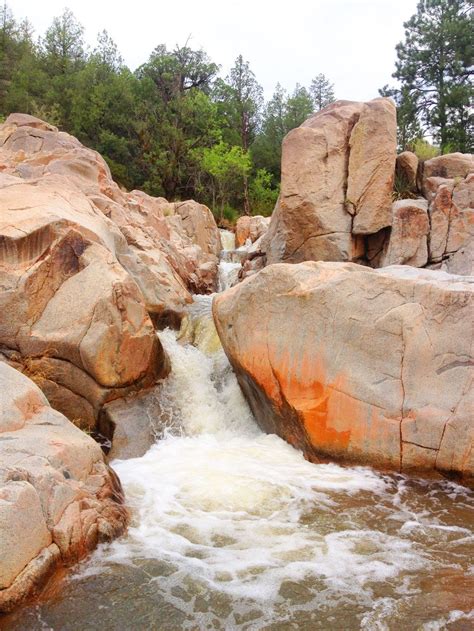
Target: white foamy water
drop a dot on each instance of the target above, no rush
(225, 501)
(227, 239)
(228, 274)
(241, 514)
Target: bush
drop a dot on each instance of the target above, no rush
(424, 150)
(230, 214)
(402, 189)
(262, 196)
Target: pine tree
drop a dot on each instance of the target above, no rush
(322, 91)
(8, 51)
(434, 67)
(64, 43)
(299, 107)
(107, 52)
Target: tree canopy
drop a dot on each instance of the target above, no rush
(434, 68)
(173, 127)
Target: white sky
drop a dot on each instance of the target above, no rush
(351, 41)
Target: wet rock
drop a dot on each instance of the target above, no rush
(58, 499)
(132, 424)
(369, 366)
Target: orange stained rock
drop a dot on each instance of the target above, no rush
(302, 383)
(335, 422)
(320, 405)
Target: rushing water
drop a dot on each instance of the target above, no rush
(233, 529)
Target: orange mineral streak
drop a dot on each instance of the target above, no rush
(335, 422)
(320, 404)
(301, 381)
(256, 362)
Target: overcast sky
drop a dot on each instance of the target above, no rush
(351, 41)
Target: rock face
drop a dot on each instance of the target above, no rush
(408, 241)
(86, 270)
(58, 499)
(132, 424)
(449, 166)
(407, 169)
(363, 365)
(337, 178)
(250, 228)
(338, 171)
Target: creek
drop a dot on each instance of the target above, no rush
(232, 529)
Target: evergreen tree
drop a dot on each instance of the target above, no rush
(266, 149)
(175, 117)
(107, 52)
(240, 100)
(8, 50)
(299, 107)
(63, 43)
(322, 91)
(434, 67)
(408, 126)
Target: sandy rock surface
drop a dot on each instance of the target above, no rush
(363, 365)
(58, 499)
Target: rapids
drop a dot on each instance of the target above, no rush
(232, 529)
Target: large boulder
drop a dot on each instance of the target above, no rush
(336, 183)
(408, 241)
(448, 184)
(200, 226)
(88, 270)
(66, 296)
(58, 499)
(407, 169)
(165, 257)
(337, 175)
(362, 365)
(448, 166)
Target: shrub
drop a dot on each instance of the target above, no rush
(424, 150)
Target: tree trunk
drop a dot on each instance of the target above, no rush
(246, 196)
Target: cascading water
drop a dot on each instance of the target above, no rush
(233, 529)
(230, 261)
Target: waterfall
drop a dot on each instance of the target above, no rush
(227, 240)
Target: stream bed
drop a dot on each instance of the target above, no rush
(232, 529)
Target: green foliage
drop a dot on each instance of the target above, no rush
(229, 216)
(423, 149)
(225, 169)
(434, 68)
(322, 91)
(262, 196)
(176, 116)
(299, 107)
(172, 127)
(402, 188)
(239, 99)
